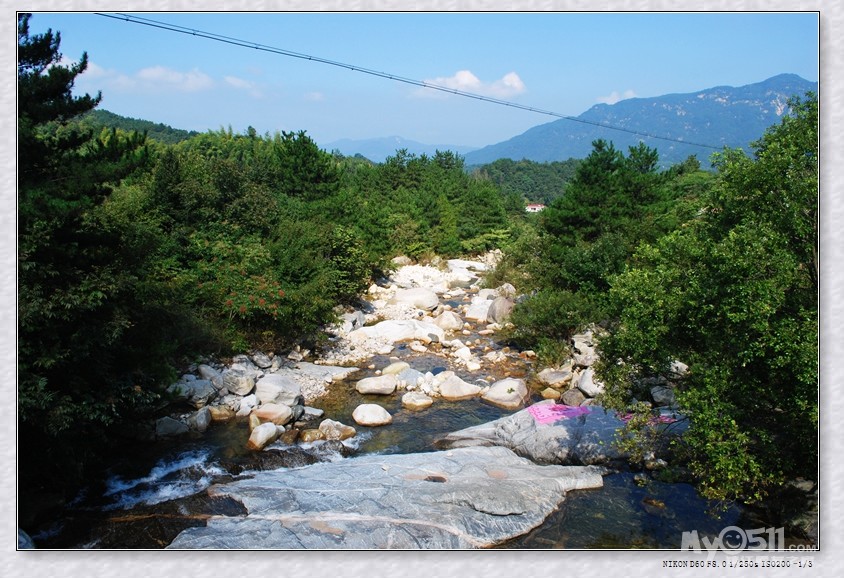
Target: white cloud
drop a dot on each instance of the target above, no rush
(242, 84)
(157, 77)
(615, 96)
(315, 96)
(463, 80)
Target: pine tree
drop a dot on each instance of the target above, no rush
(75, 284)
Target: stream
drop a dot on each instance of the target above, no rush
(152, 491)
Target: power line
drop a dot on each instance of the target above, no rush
(395, 77)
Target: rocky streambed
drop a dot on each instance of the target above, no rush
(414, 428)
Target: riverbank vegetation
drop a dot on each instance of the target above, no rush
(135, 255)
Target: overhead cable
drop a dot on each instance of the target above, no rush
(395, 77)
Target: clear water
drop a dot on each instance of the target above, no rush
(622, 514)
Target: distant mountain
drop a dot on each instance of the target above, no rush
(155, 131)
(720, 116)
(378, 149)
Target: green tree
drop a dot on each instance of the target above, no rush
(733, 294)
(76, 277)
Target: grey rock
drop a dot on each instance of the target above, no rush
(378, 385)
(572, 397)
(371, 414)
(166, 427)
(211, 374)
(239, 381)
(506, 290)
(313, 412)
(264, 434)
(588, 385)
(555, 377)
(197, 392)
(663, 396)
(453, 388)
(478, 310)
(586, 439)
(416, 400)
(278, 388)
(509, 393)
(200, 420)
(449, 321)
(466, 498)
(419, 297)
(500, 309)
(262, 360)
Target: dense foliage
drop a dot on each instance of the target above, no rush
(587, 236)
(135, 256)
(734, 293)
(719, 271)
(534, 182)
(155, 131)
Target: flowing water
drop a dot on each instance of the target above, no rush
(154, 491)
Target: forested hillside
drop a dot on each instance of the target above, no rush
(98, 119)
(535, 182)
(136, 255)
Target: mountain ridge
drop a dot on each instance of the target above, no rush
(719, 116)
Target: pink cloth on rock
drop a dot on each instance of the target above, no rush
(546, 413)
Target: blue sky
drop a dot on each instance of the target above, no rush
(563, 62)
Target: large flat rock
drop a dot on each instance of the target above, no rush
(585, 439)
(463, 498)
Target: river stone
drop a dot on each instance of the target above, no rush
(396, 330)
(289, 436)
(419, 297)
(410, 377)
(197, 392)
(550, 393)
(663, 395)
(509, 393)
(500, 309)
(464, 264)
(247, 404)
(262, 360)
(211, 374)
(311, 435)
(416, 400)
(464, 498)
(276, 388)
(452, 388)
(588, 385)
(238, 382)
(506, 290)
(313, 412)
(168, 427)
(264, 434)
(555, 377)
(371, 414)
(395, 368)
(586, 439)
(276, 413)
(334, 430)
(572, 397)
(478, 310)
(378, 385)
(449, 321)
(220, 412)
(200, 420)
